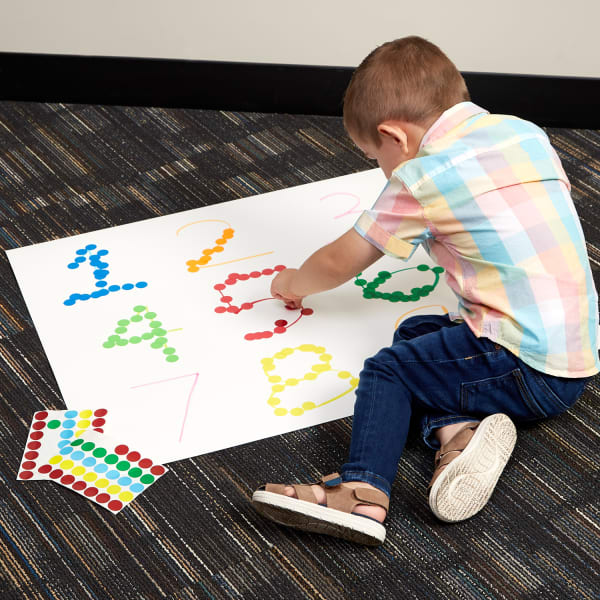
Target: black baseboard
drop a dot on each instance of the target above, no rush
(260, 87)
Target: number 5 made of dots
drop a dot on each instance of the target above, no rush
(155, 330)
(100, 272)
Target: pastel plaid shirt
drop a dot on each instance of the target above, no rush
(488, 199)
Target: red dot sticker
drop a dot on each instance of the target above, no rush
(56, 474)
(67, 479)
(219, 287)
(28, 464)
(307, 311)
(98, 422)
(99, 429)
(25, 475)
(101, 412)
(36, 435)
(79, 485)
(145, 463)
(102, 498)
(134, 456)
(115, 505)
(34, 445)
(45, 469)
(157, 470)
(40, 416)
(39, 425)
(220, 309)
(121, 449)
(279, 330)
(281, 323)
(31, 455)
(91, 491)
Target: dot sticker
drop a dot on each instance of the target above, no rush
(278, 385)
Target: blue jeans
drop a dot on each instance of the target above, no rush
(439, 370)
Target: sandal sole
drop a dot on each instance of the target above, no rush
(315, 518)
(466, 484)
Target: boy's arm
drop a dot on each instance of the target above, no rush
(327, 268)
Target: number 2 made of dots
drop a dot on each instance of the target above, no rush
(156, 335)
(97, 261)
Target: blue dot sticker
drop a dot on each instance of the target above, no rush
(69, 423)
(124, 481)
(71, 414)
(101, 468)
(66, 450)
(77, 455)
(113, 474)
(89, 462)
(136, 487)
(66, 434)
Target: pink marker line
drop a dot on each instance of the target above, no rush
(351, 210)
(189, 399)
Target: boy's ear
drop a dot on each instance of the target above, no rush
(395, 133)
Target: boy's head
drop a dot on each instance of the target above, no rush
(409, 80)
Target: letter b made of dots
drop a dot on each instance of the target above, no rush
(100, 273)
(156, 335)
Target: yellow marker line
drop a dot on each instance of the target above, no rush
(420, 308)
(234, 260)
(203, 221)
(335, 397)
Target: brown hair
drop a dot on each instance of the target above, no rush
(409, 79)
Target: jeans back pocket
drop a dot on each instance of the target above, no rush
(507, 393)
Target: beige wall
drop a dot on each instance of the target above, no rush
(552, 37)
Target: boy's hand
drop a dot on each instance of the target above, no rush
(281, 288)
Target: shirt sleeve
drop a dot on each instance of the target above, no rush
(396, 223)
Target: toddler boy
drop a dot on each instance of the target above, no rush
(487, 198)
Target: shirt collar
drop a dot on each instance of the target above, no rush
(449, 119)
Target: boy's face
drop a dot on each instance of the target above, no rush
(395, 148)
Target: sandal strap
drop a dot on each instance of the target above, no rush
(448, 452)
(345, 498)
(338, 496)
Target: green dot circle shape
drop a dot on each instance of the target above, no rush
(135, 472)
(99, 452)
(88, 446)
(150, 315)
(123, 465)
(139, 308)
(111, 459)
(172, 358)
(147, 478)
(54, 424)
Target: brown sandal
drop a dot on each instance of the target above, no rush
(336, 518)
(467, 468)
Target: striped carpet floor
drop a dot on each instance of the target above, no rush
(68, 169)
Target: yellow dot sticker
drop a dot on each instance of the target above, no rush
(280, 385)
(85, 414)
(90, 477)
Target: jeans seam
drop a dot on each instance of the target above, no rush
(550, 391)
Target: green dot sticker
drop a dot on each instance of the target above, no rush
(77, 442)
(99, 452)
(88, 446)
(147, 478)
(123, 465)
(135, 472)
(155, 333)
(370, 290)
(53, 424)
(111, 459)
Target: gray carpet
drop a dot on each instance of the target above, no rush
(68, 169)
